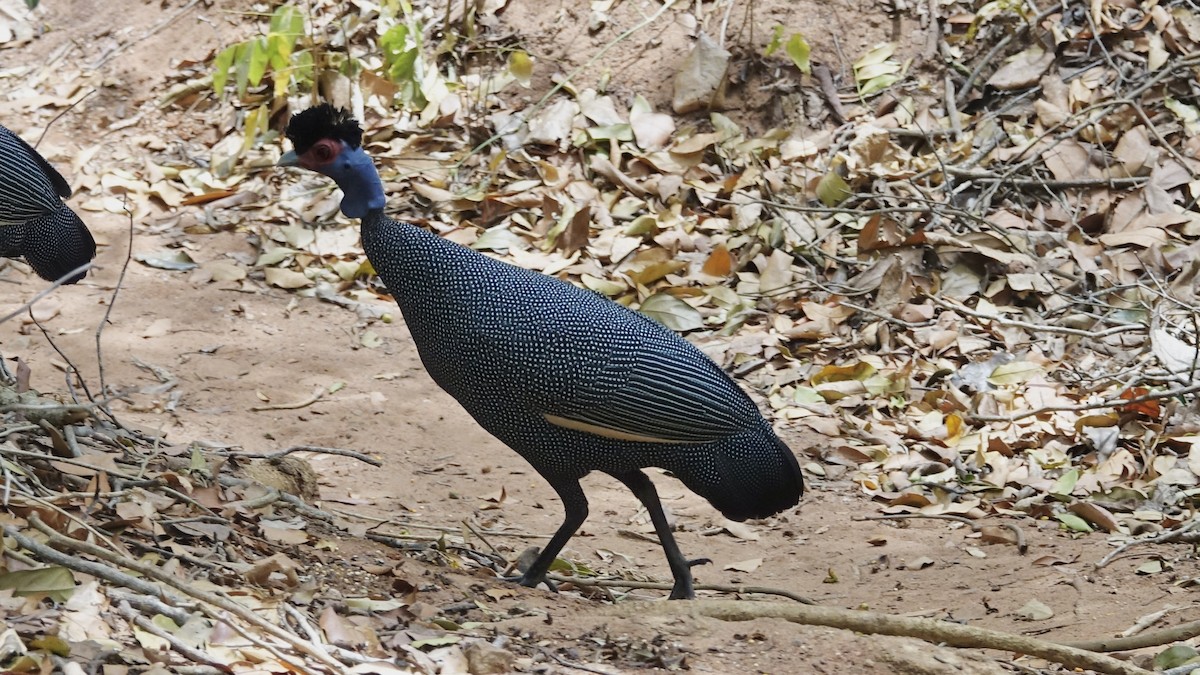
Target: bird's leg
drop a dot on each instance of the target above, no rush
(576, 506)
(681, 568)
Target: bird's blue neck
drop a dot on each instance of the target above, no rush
(355, 174)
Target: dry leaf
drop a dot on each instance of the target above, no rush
(739, 530)
(746, 566)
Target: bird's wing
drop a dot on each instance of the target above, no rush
(673, 397)
(61, 187)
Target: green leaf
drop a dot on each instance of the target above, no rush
(1014, 373)
(833, 189)
(277, 53)
(302, 66)
(643, 224)
(241, 63)
(876, 70)
(619, 132)
(878, 54)
(1151, 567)
(446, 624)
(520, 66)
(776, 41)
(672, 312)
(602, 286)
(1073, 522)
(1065, 485)
(256, 123)
(198, 465)
(398, 55)
(401, 54)
(1189, 115)
(1174, 656)
(797, 48)
(221, 67)
(373, 605)
(807, 395)
(53, 644)
(57, 583)
(287, 24)
(573, 568)
(877, 84)
(260, 56)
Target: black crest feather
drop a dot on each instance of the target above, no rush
(323, 121)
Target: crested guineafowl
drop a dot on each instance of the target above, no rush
(34, 221)
(573, 382)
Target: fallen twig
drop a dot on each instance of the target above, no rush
(1145, 621)
(875, 623)
(1177, 534)
(1022, 546)
(148, 603)
(1083, 407)
(828, 91)
(1180, 633)
(1036, 327)
(303, 403)
(190, 653)
(306, 448)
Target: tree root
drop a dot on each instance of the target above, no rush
(875, 623)
(1184, 631)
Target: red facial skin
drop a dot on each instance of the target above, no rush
(320, 154)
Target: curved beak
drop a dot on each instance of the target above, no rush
(289, 158)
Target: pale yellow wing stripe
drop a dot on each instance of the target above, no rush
(606, 432)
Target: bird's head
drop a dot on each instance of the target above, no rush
(328, 140)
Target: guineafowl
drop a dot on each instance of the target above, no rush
(573, 382)
(34, 221)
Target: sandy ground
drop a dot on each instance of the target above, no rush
(232, 347)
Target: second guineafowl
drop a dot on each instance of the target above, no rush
(573, 382)
(34, 221)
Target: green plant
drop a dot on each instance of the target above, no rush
(402, 63)
(796, 48)
(250, 60)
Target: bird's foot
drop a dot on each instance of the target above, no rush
(682, 590)
(523, 580)
(526, 564)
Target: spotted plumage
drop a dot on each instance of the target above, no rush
(573, 382)
(34, 221)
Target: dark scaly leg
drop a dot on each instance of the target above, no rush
(576, 506)
(681, 568)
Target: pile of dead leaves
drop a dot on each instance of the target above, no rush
(153, 556)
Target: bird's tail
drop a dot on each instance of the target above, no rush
(749, 478)
(57, 243)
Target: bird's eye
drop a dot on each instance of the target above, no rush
(322, 153)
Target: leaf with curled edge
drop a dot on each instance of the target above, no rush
(1096, 515)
